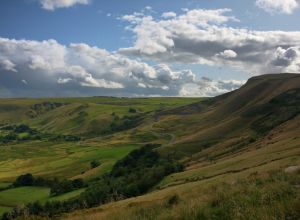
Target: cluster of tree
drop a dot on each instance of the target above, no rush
(31, 134)
(62, 137)
(133, 175)
(15, 130)
(66, 186)
(124, 123)
(57, 187)
(8, 138)
(40, 108)
(19, 128)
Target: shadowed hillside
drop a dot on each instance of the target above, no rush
(237, 118)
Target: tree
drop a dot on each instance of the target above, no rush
(24, 180)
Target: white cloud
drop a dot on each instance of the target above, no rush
(55, 4)
(227, 54)
(288, 59)
(7, 65)
(63, 80)
(169, 14)
(54, 69)
(206, 87)
(277, 6)
(206, 37)
(148, 7)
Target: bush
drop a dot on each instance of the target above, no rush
(132, 110)
(24, 180)
(173, 200)
(94, 164)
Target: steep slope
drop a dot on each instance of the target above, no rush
(235, 119)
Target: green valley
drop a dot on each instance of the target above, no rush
(234, 156)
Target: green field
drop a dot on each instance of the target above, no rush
(59, 160)
(24, 195)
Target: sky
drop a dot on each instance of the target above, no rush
(143, 48)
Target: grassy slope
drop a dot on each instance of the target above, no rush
(80, 115)
(70, 159)
(212, 139)
(276, 152)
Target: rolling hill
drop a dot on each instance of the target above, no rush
(230, 145)
(234, 149)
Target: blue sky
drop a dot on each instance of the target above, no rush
(90, 23)
(101, 24)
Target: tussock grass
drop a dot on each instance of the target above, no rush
(273, 196)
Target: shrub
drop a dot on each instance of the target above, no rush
(94, 164)
(24, 180)
(132, 110)
(173, 200)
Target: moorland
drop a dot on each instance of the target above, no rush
(234, 156)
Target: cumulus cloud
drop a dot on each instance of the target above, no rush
(55, 4)
(277, 6)
(288, 58)
(206, 87)
(7, 65)
(54, 69)
(169, 14)
(227, 54)
(201, 36)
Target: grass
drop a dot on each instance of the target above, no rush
(56, 159)
(66, 196)
(23, 195)
(279, 153)
(4, 209)
(268, 195)
(81, 115)
(4, 185)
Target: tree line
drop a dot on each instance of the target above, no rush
(56, 186)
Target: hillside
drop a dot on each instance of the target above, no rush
(226, 144)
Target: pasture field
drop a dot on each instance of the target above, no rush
(57, 159)
(23, 195)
